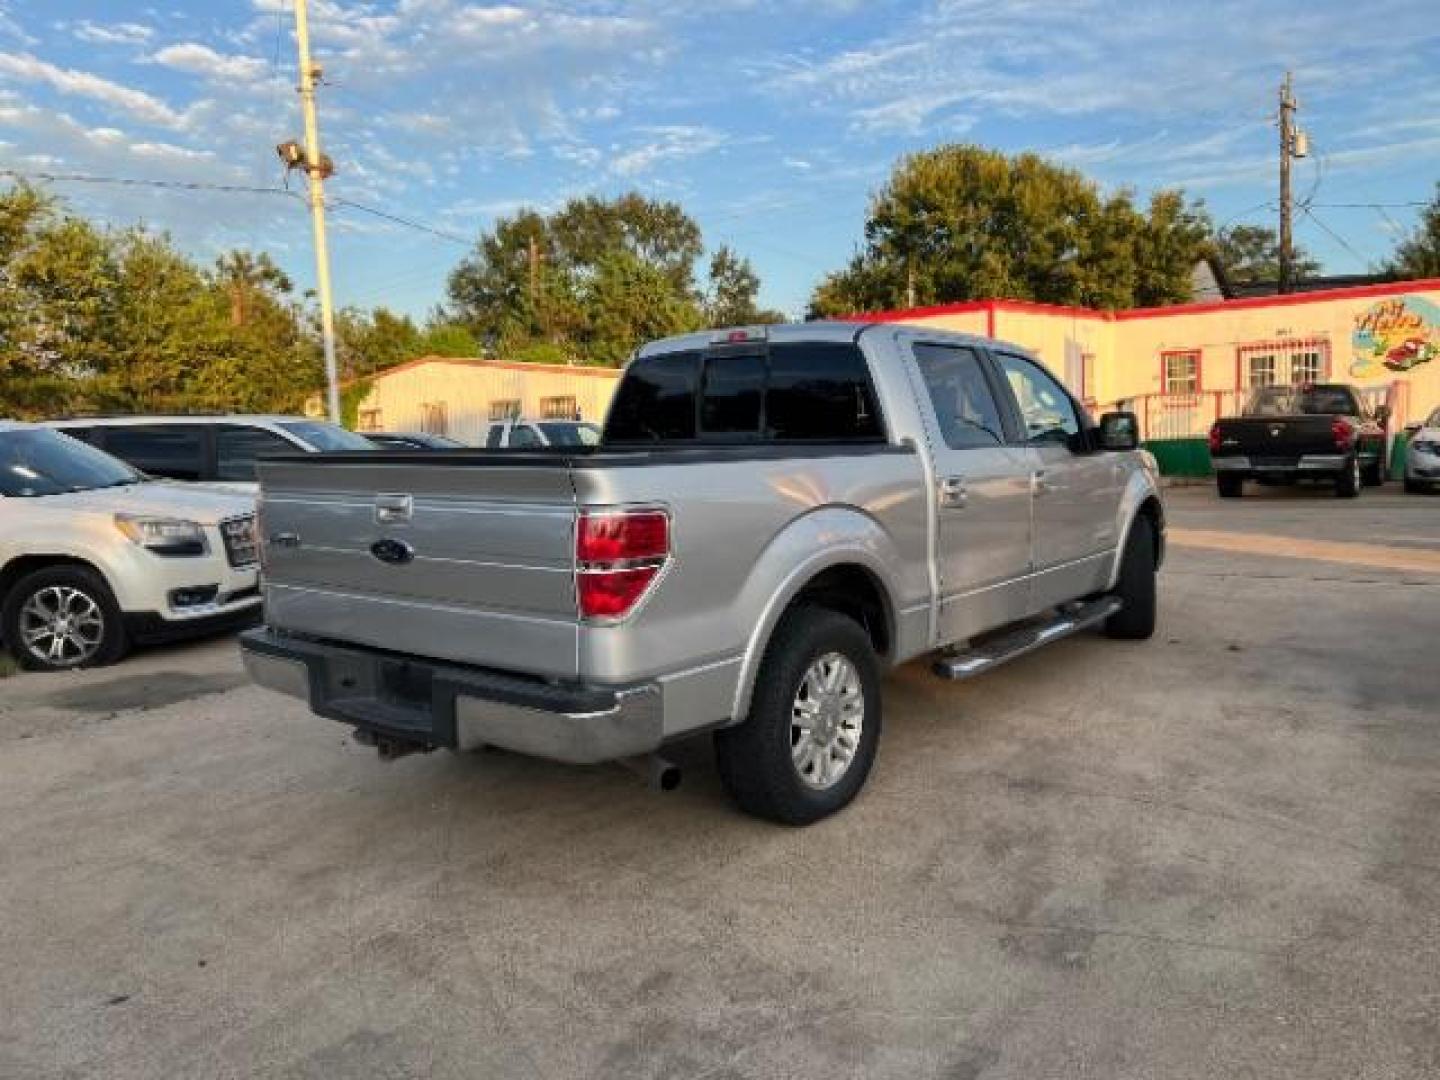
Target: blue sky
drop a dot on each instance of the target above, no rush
(771, 122)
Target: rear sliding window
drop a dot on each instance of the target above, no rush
(801, 392)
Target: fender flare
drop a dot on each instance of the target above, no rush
(1139, 492)
(849, 550)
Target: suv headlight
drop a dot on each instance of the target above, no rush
(163, 536)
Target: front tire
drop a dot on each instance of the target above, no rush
(1348, 483)
(1414, 487)
(62, 618)
(1136, 587)
(809, 741)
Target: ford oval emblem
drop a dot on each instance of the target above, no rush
(392, 551)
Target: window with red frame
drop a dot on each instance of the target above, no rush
(1282, 363)
(1180, 372)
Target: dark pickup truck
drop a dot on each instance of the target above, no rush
(1289, 433)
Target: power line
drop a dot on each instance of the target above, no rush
(1308, 212)
(136, 181)
(409, 223)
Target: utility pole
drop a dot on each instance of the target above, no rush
(1287, 151)
(309, 73)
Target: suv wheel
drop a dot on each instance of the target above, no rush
(1229, 485)
(809, 741)
(1375, 474)
(61, 618)
(1348, 483)
(1136, 587)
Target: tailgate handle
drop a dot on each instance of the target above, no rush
(393, 509)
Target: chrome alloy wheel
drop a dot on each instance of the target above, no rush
(826, 720)
(61, 626)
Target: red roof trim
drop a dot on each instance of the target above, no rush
(968, 307)
(1320, 296)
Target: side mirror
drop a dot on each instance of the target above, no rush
(1119, 431)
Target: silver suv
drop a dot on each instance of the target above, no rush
(95, 556)
(215, 449)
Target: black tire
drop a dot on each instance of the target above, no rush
(755, 757)
(1348, 483)
(1229, 485)
(112, 641)
(1375, 475)
(1136, 587)
(1414, 487)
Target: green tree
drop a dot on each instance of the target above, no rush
(626, 301)
(370, 341)
(1418, 255)
(243, 274)
(734, 287)
(532, 287)
(962, 222)
(1250, 255)
(445, 338)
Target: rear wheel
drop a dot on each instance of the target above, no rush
(1375, 474)
(1229, 485)
(1348, 483)
(1136, 587)
(61, 618)
(807, 745)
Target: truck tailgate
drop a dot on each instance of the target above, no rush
(455, 556)
(1283, 437)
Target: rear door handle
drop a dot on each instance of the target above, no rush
(952, 491)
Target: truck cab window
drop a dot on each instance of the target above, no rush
(965, 407)
(1045, 409)
(656, 400)
(734, 386)
(820, 391)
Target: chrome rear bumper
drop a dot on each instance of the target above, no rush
(434, 705)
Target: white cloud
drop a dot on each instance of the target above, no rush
(137, 103)
(124, 33)
(197, 59)
(669, 142)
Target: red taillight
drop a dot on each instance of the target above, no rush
(617, 555)
(1342, 433)
(613, 536)
(1215, 437)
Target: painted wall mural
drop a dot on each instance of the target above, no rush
(1395, 335)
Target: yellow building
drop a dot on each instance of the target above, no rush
(460, 397)
(1183, 366)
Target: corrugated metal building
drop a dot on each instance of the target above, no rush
(460, 397)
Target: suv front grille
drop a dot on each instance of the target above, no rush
(242, 542)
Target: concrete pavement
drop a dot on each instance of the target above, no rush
(1216, 854)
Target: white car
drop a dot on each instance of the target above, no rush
(534, 434)
(1422, 456)
(95, 555)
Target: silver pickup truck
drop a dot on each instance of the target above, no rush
(773, 517)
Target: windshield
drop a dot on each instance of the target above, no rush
(571, 434)
(322, 436)
(38, 461)
(1301, 401)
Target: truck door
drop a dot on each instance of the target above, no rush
(1076, 490)
(982, 494)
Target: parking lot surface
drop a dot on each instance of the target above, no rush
(1215, 854)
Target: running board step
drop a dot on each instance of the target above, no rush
(980, 658)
